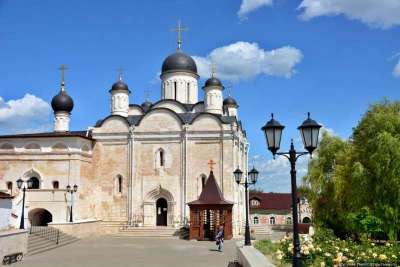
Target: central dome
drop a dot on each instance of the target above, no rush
(179, 61)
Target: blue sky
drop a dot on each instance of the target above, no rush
(330, 57)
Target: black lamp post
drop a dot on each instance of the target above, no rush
(309, 131)
(253, 175)
(72, 191)
(20, 182)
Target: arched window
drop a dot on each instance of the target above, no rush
(119, 181)
(255, 220)
(203, 180)
(288, 220)
(272, 220)
(9, 186)
(56, 185)
(306, 220)
(35, 184)
(162, 159)
(254, 202)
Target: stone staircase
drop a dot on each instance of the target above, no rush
(160, 231)
(46, 238)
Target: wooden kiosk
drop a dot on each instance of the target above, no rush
(209, 212)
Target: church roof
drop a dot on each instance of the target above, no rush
(83, 134)
(179, 61)
(211, 194)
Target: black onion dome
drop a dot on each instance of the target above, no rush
(230, 101)
(62, 102)
(179, 61)
(213, 82)
(146, 105)
(119, 85)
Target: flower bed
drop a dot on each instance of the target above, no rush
(326, 250)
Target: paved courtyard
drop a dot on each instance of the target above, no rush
(139, 252)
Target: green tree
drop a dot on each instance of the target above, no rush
(347, 178)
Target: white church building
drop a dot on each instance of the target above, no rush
(140, 165)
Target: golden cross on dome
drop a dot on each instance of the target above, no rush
(62, 68)
(179, 28)
(211, 163)
(120, 72)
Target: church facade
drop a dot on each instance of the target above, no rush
(141, 165)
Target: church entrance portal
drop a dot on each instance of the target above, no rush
(162, 212)
(40, 217)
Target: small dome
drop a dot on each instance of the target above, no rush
(119, 85)
(213, 82)
(230, 101)
(146, 105)
(62, 102)
(179, 61)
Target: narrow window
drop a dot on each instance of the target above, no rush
(162, 160)
(203, 181)
(272, 220)
(188, 93)
(119, 184)
(175, 90)
(288, 220)
(56, 185)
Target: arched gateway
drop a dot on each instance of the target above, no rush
(40, 217)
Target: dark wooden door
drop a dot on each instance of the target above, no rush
(162, 212)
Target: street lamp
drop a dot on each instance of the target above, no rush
(72, 191)
(309, 131)
(20, 182)
(253, 175)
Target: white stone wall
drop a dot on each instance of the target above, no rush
(213, 99)
(180, 86)
(120, 102)
(61, 121)
(5, 213)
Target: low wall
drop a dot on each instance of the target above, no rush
(248, 256)
(80, 229)
(13, 241)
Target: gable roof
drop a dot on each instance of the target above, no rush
(272, 201)
(211, 194)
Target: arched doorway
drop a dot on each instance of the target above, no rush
(40, 217)
(306, 220)
(162, 212)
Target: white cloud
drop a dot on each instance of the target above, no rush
(244, 60)
(27, 114)
(376, 13)
(248, 6)
(275, 174)
(396, 70)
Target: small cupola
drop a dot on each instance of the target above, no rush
(213, 96)
(62, 105)
(120, 97)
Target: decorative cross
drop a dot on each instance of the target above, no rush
(62, 68)
(211, 163)
(213, 69)
(146, 94)
(229, 87)
(120, 72)
(179, 28)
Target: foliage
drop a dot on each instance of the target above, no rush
(354, 185)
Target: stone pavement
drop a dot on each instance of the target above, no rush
(139, 252)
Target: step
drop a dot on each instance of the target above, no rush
(47, 248)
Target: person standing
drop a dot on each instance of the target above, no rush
(220, 238)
